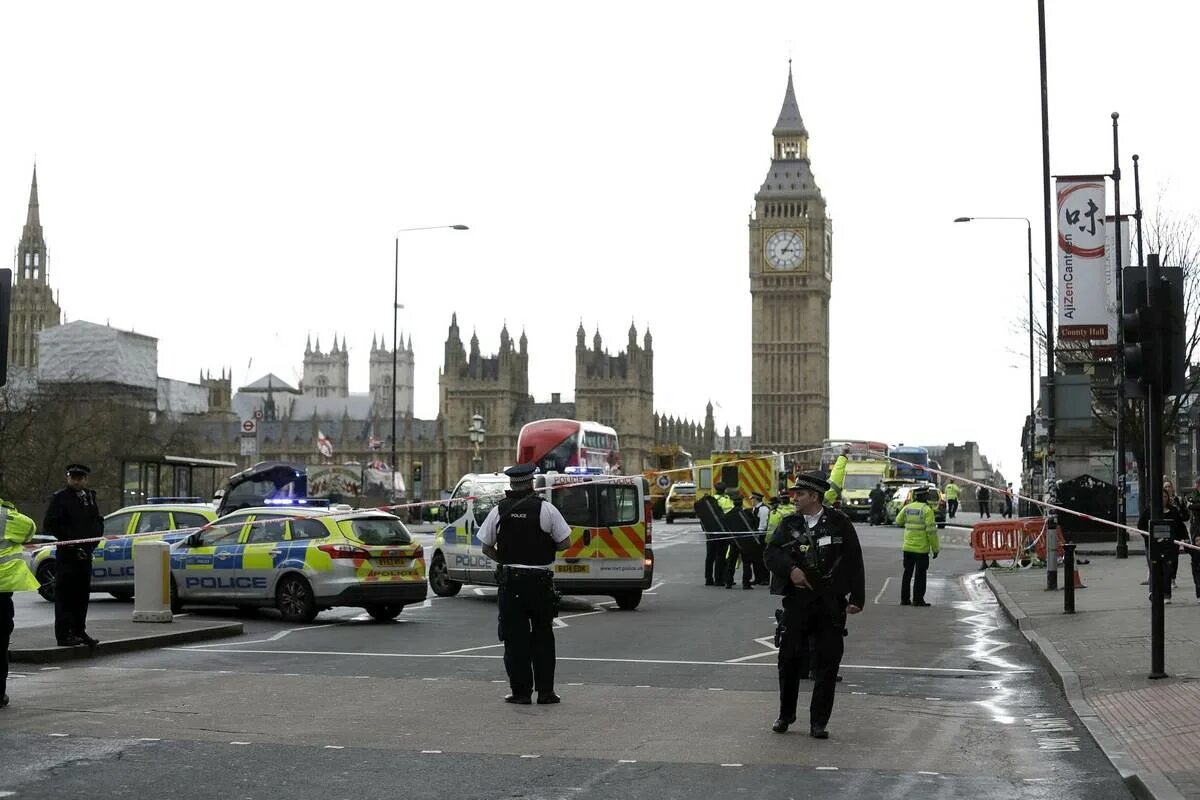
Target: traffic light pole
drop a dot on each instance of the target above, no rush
(1119, 357)
(1049, 475)
(1155, 544)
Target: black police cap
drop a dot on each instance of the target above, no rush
(521, 472)
(78, 469)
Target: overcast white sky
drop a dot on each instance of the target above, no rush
(228, 176)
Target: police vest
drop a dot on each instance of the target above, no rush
(816, 551)
(519, 534)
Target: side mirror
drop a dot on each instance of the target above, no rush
(195, 539)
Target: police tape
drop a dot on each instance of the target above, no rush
(108, 537)
(1039, 503)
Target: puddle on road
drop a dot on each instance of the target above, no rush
(984, 619)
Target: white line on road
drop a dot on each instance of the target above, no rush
(60, 734)
(335, 747)
(471, 649)
(431, 752)
(149, 739)
(830, 769)
(239, 743)
(765, 641)
(274, 638)
(731, 765)
(583, 659)
(626, 760)
(530, 755)
(882, 589)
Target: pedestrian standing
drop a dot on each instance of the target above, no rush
(16, 530)
(522, 534)
(73, 514)
(816, 565)
(715, 543)
(735, 523)
(1193, 508)
(762, 519)
(1006, 509)
(920, 542)
(952, 492)
(984, 495)
(878, 498)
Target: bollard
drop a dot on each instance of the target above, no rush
(1051, 554)
(151, 581)
(1069, 578)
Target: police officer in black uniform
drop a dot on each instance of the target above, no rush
(816, 565)
(522, 534)
(73, 514)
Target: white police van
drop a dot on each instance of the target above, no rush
(610, 551)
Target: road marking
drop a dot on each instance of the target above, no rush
(60, 734)
(626, 760)
(765, 641)
(334, 747)
(4, 793)
(583, 659)
(882, 589)
(574, 684)
(429, 679)
(274, 638)
(926, 772)
(431, 752)
(50, 669)
(731, 765)
(933, 698)
(652, 588)
(642, 686)
(239, 743)
(829, 769)
(530, 755)
(471, 649)
(149, 739)
(715, 689)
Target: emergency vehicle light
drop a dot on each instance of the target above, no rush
(312, 502)
(583, 471)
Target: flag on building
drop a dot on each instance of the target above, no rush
(324, 446)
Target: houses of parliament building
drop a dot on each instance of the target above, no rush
(790, 272)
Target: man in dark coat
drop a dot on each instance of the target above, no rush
(816, 565)
(73, 514)
(878, 499)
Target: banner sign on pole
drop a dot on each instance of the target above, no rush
(1083, 308)
(1111, 273)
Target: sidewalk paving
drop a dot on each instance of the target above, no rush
(35, 644)
(1100, 656)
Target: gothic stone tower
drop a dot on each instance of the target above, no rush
(326, 374)
(618, 391)
(495, 387)
(380, 380)
(33, 306)
(791, 270)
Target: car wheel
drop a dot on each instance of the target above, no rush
(439, 578)
(294, 599)
(670, 518)
(45, 576)
(176, 605)
(383, 612)
(628, 601)
(124, 595)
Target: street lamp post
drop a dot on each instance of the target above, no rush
(1032, 373)
(476, 433)
(395, 323)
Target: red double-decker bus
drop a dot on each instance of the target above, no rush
(556, 444)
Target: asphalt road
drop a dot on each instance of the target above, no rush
(675, 699)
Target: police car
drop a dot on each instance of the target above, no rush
(112, 561)
(610, 551)
(301, 557)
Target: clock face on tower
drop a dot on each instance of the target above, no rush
(785, 249)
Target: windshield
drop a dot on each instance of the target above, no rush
(378, 530)
(860, 482)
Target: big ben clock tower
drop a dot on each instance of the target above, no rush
(791, 271)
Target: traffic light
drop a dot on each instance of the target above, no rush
(1154, 334)
(5, 304)
(1143, 348)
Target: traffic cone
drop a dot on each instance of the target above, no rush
(1079, 580)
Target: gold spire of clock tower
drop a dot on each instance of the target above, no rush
(791, 241)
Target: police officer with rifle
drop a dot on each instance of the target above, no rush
(816, 564)
(522, 534)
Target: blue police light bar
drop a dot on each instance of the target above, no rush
(159, 500)
(310, 502)
(583, 471)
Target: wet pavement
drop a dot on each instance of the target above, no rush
(1101, 655)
